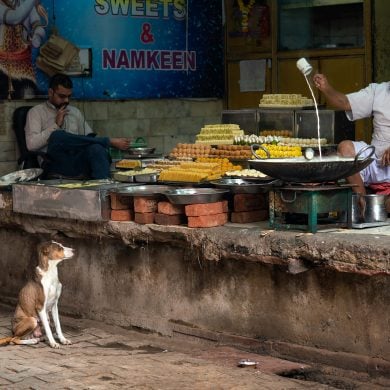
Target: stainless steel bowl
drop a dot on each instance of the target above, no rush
(195, 195)
(141, 151)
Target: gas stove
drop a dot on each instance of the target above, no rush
(310, 206)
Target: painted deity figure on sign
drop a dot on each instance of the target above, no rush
(22, 28)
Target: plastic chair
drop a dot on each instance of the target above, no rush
(27, 158)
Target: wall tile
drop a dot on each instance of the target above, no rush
(8, 167)
(205, 108)
(122, 128)
(95, 110)
(123, 110)
(7, 151)
(163, 109)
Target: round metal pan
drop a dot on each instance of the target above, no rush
(300, 170)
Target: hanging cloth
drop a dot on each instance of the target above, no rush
(56, 54)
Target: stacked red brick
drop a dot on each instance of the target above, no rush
(170, 214)
(207, 214)
(122, 208)
(145, 209)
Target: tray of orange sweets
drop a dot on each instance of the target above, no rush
(200, 171)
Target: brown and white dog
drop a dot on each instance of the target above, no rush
(38, 298)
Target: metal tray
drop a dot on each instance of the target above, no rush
(240, 186)
(252, 178)
(123, 178)
(365, 225)
(140, 190)
(187, 183)
(141, 156)
(195, 195)
(146, 178)
(141, 178)
(69, 184)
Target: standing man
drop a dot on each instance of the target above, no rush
(373, 100)
(60, 130)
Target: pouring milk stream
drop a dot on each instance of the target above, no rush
(306, 69)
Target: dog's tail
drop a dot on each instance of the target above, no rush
(6, 340)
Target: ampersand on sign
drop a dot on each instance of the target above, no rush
(146, 35)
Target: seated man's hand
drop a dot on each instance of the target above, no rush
(120, 143)
(61, 113)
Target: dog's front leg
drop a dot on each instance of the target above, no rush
(46, 326)
(56, 319)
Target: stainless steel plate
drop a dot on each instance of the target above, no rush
(140, 190)
(241, 186)
(195, 195)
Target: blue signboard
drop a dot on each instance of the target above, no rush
(141, 48)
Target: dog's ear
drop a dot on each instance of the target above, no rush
(43, 255)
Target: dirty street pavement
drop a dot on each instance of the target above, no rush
(110, 357)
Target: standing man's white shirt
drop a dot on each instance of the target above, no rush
(373, 100)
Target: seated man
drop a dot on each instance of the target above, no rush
(61, 130)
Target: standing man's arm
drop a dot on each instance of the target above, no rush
(333, 97)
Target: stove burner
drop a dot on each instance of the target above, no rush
(313, 186)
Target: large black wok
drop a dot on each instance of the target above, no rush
(301, 170)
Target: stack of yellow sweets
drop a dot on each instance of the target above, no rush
(280, 151)
(128, 164)
(285, 99)
(192, 172)
(218, 134)
(223, 163)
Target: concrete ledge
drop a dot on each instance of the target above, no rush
(295, 252)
